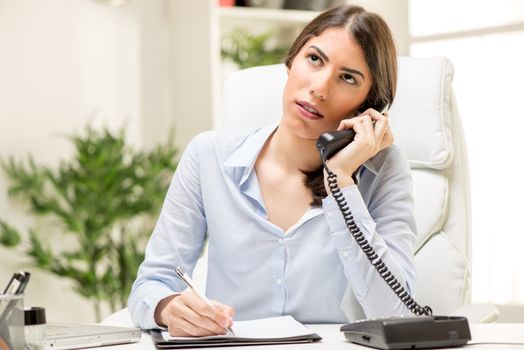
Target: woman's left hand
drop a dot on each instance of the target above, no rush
(369, 140)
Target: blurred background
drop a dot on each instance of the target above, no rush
(147, 74)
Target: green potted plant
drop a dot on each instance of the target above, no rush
(249, 50)
(106, 198)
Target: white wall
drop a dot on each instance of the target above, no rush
(193, 78)
(157, 108)
(64, 63)
(395, 13)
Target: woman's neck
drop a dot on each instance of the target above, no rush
(292, 152)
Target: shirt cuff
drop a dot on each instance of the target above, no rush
(151, 301)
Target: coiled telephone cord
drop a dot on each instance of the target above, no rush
(372, 256)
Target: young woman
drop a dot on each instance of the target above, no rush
(277, 241)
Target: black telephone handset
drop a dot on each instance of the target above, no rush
(330, 143)
(421, 331)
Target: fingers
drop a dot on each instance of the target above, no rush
(189, 322)
(371, 128)
(382, 131)
(226, 310)
(372, 134)
(189, 315)
(364, 132)
(363, 127)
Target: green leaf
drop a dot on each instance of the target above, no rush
(9, 236)
(42, 257)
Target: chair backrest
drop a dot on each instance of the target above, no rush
(426, 125)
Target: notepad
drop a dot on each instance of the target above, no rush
(274, 330)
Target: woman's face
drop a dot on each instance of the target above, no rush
(327, 82)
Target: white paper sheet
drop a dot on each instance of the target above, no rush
(265, 328)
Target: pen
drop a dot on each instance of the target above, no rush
(180, 272)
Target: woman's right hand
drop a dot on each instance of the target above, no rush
(186, 314)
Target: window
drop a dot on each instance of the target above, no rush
(485, 41)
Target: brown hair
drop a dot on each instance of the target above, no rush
(372, 34)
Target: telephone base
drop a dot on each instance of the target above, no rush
(420, 332)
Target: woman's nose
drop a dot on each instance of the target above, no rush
(316, 95)
(319, 87)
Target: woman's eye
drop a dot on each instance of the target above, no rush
(314, 59)
(349, 78)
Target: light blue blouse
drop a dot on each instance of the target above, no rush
(315, 271)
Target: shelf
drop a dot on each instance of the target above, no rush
(266, 14)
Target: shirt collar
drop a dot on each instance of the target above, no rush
(368, 164)
(246, 155)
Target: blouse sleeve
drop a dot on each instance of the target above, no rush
(177, 240)
(388, 224)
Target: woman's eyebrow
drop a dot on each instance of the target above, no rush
(320, 52)
(345, 69)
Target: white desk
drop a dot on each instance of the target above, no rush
(333, 339)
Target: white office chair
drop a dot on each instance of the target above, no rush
(426, 125)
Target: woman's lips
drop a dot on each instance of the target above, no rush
(307, 110)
